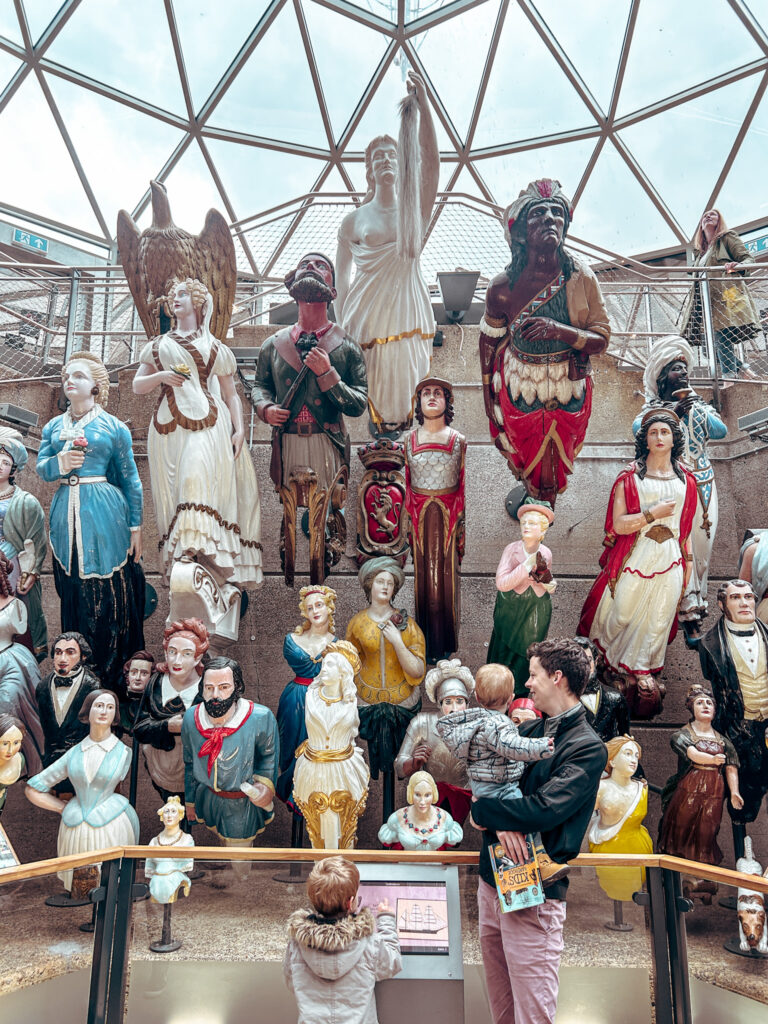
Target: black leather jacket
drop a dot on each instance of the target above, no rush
(558, 795)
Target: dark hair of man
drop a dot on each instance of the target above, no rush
(566, 656)
(678, 443)
(518, 245)
(86, 654)
(448, 409)
(661, 380)
(722, 590)
(85, 710)
(220, 662)
(588, 645)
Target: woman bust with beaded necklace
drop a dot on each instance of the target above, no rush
(95, 519)
(422, 825)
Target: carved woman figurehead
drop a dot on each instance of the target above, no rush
(85, 380)
(317, 605)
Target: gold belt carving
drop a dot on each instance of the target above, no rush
(324, 756)
(660, 533)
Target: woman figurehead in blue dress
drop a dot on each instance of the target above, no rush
(95, 519)
(303, 649)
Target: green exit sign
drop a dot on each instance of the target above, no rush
(29, 241)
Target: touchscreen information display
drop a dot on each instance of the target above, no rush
(421, 912)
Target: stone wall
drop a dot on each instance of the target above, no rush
(575, 539)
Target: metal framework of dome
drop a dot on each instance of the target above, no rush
(647, 111)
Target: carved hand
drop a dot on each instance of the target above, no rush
(276, 415)
(421, 754)
(238, 437)
(415, 86)
(136, 546)
(318, 362)
(71, 460)
(540, 328)
(191, 816)
(541, 572)
(170, 377)
(663, 509)
(174, 724)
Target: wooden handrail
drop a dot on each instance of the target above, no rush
(37, 869)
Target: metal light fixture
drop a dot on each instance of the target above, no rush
(457, 288)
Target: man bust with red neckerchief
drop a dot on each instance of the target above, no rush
(231, 752)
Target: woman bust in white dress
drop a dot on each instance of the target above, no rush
(96, 817)
(631, 610)
(330, 781)
(203, 483)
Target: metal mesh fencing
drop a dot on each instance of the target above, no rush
(45, 313)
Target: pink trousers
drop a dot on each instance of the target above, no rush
(521, 958)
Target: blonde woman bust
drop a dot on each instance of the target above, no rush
(303, 649)
(617, 823)
(422, 825)
(330, 785)
(168, 876)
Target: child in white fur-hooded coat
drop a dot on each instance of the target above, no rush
(335, 953)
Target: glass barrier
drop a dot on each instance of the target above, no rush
(215, 955)
(49, 942)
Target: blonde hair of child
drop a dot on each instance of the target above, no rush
(494, 685)
(332, 883)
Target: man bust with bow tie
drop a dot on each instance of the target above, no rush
(734, 658)
(307, 378)
(60, 697)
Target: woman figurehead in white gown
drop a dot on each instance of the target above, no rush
(330, 782)
(386, 309)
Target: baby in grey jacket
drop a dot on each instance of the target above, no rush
(493, 749)
(337, 953)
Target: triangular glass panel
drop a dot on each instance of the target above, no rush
(273, 96)
(507, 175)
(675, 47)
(465, 237)
(103, 133)
(334, 182)
(447, 170)
(8, 67)
(49, 187)
(615, 212)
(192, 191)
(418, 8)
(742, 197)
(528, 94)
(356, 170)
(39, 15)
(466, 182)
(9, 23)
(381, 116)
(462, 42)
(663, 144)
(127, 46)
(347, 54)
(211, 35)
(592, 36)
(256, 179)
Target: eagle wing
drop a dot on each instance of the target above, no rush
(129, 250)
(217, 268)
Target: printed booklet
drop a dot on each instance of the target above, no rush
(518, 885)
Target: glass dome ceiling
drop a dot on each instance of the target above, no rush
(647, 111)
